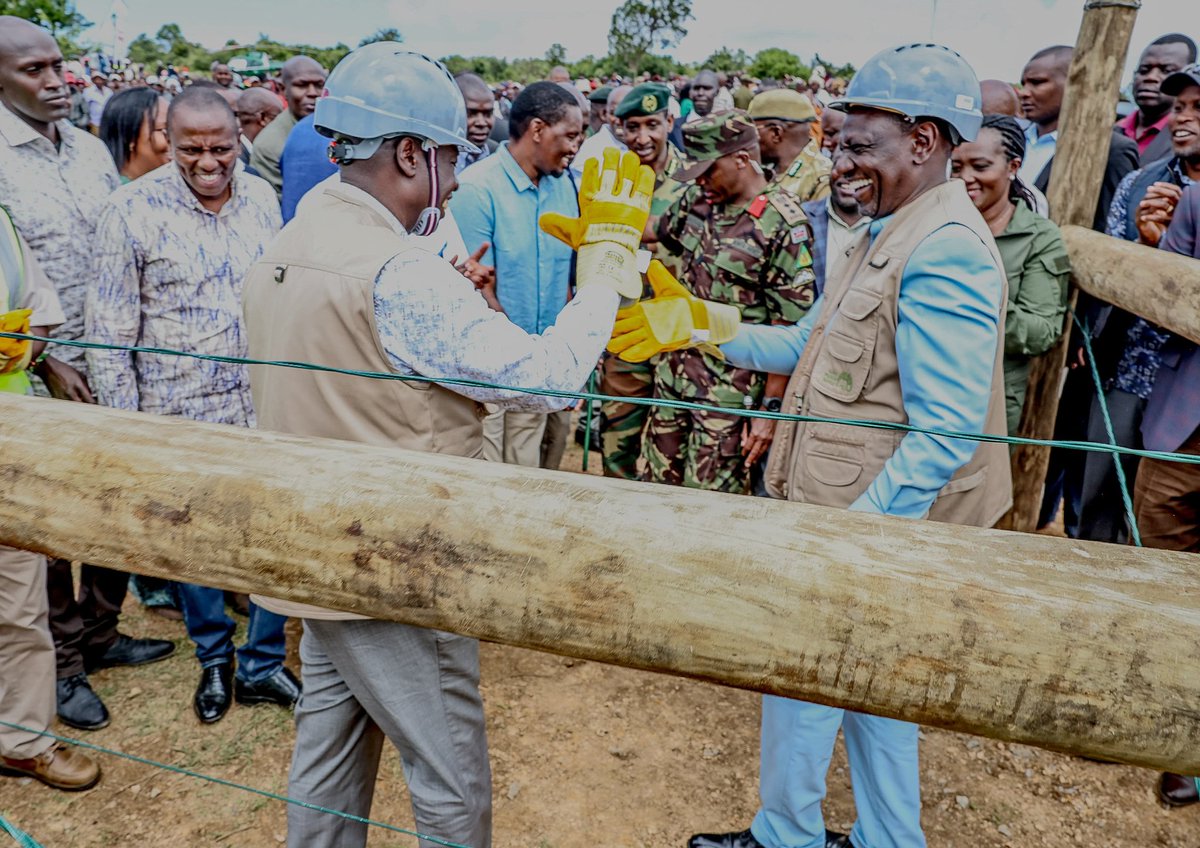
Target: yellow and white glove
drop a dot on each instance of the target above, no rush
(671, 320)
(614, 203)
(14, 353)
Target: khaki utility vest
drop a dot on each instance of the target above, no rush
(849, 370)
(310, 298)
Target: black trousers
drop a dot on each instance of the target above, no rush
(86, 624)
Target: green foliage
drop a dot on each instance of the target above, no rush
(556, 55)
(844, 71)
(727, 60)
(776, 63)
(528, 70)
(60, 17)
(641, 26)
(387, 34)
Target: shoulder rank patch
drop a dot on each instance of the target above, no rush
(788, 206)
(759, 206)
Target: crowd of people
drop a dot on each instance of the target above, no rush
(877, 248)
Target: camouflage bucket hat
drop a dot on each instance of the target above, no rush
(713, 136)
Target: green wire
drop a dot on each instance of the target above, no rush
(665, 403)
(230, 784)
(23, 839)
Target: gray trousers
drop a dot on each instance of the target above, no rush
(364, 680)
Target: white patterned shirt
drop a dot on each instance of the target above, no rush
(432, 322)
(54, 197)
(169, 275)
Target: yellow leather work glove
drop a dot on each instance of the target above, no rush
(14, 353)
(614, 203)
(673, 319)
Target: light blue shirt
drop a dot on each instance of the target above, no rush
(949, 314)
(496, 202)
(1038, 151)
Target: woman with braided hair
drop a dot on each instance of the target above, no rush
(1035, 259)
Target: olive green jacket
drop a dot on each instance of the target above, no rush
(1037, 267)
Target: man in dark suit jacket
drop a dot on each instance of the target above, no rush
(1043, 83)
(1147, 125)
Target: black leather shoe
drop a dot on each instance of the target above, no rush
(280, 688)
(1175, 790)
(129, 651)
(78, 705)
(215, 693)
(745, 839)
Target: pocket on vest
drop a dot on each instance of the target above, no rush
(834, 462)
(844, 363)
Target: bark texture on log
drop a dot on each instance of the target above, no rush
(1084, 648)
(1162, 287)
(1084, 136)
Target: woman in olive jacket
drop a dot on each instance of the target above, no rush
(1035, 258)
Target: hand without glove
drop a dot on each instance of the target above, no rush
(14, 353)
(673, 319)
(614, 203)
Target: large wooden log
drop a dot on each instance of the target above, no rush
(1162, 287)
(1085, 648)
(1084, 135)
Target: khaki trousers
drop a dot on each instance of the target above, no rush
(26, 654)
(514, 438)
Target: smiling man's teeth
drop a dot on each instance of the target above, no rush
(856, 185)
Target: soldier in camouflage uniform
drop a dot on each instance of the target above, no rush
(643, 112)
(784, 120)
(740, 241)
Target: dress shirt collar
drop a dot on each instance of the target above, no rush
(1139, 133)
(16, 132)
(188, 197)
(838, 221)
(516, 173)
(1032, 137)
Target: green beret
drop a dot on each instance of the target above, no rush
(600, 95)
(649, 98)
(782, 104)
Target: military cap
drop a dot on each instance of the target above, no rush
(708, 139)
(781, 104)
(649, 98)
(600, 95)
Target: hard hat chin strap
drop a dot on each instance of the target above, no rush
(431, 215)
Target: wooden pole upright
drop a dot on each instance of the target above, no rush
(1084, 136)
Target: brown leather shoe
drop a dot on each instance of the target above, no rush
(62, 767)
(1177, 791)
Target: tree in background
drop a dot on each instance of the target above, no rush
(777, 63)
(59, 16)
(556, 55)
(388, 34)
(727, 60)
(640, 26)
(844, 71)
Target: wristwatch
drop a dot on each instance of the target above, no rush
(772, 404)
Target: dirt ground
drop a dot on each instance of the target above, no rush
(583, 754)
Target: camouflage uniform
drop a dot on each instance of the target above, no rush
(621, 424)
(808, 175)
(756, 257)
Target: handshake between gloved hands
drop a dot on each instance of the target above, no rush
(614, 204)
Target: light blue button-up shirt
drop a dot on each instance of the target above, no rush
(949, 315)
(496, 202)
(1039, 149)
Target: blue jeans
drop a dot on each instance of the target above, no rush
(797, 743)
(212, 631)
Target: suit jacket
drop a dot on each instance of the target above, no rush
(1122, 158)
(1159, 148)
(1173, 409)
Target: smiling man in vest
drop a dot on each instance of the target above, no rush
(344, 285)
(907, 332)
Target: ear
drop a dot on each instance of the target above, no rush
(925, 140)
(408, 154)
(534, 131)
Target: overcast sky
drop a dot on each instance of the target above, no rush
(996, 36)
